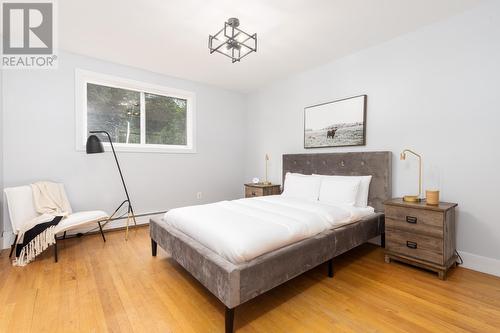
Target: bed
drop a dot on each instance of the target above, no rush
(235, 280)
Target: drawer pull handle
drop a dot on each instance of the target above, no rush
(411, 245)
(253, 194)
(411, 219)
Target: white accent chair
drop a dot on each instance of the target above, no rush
(22, 209)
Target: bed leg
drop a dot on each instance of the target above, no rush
(382, 240)
(154, 247)
(330, 268)
(229, 319)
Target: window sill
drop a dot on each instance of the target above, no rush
(145, 149)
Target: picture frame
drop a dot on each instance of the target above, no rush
(338, 123)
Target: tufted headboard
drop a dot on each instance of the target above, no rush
(377, 164)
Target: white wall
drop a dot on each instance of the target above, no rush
(435, 90)
(2, 220)
(39, 143)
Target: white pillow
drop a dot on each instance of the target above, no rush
(339, 191)
(301, 186)
(364, 188)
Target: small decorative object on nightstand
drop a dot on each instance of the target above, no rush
(432, 197)
(421, 235)
(267, 182)
(259, 190)
(414, 198)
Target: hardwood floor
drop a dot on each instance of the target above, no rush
(118, 287)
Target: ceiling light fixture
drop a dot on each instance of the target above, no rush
(232, 42)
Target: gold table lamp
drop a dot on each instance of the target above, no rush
(266, 182)
(414, 198)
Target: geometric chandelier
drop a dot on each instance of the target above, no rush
(232, 42)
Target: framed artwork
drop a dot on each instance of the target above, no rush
(336, 124)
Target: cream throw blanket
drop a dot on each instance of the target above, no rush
(50, 201)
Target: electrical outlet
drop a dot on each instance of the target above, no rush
(199, 195)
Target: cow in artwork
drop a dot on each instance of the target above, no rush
(331, 133)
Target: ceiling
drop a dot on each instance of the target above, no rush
(171, 36)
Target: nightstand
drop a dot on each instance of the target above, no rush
(421, 235)
(259, 190)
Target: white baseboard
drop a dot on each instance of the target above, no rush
(375, 241)
(8, 238)
(471, 261)
(480, 263)
(121, 223)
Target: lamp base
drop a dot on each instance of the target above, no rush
(411, 198)
(130, 216)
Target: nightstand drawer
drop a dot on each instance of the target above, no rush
(414, 245)
(422, 216)
(414, 225)
(259, 190)
(253, 192)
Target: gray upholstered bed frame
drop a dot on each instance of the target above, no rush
(234, 284)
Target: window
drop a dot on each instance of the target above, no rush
(115, 110)
(138, 116)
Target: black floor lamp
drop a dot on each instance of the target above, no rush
(94, 146)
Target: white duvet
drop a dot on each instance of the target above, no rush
(241, 230)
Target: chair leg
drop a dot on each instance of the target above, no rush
(12, 247)
(100, 229)
(55, 250)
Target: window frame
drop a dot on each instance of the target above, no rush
(83, 77)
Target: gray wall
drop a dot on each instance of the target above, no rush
(39, 143)
(435, 90)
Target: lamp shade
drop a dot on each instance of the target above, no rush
(94, 145)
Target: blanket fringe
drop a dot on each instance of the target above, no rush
(36, 246)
